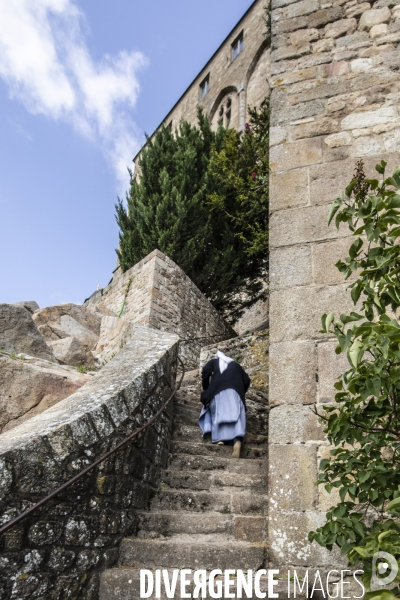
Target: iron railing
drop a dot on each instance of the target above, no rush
(82, 473)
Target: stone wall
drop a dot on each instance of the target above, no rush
(335, 97)
(163, 297)
(243, 81)
(59, 551)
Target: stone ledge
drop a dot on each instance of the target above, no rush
(84, 525)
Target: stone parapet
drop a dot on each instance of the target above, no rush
(60, 550)
(163, 297)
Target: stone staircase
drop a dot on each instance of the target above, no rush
(209, 513)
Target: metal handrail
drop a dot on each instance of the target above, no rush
(66, 485)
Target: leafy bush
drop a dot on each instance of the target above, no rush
(364, 424)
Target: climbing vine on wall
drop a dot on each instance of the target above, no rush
(364, 424)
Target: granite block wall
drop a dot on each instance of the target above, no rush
(163, 297)
(59, 551)
(335, 98)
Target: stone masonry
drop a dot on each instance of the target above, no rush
(234, 83)
(59, 552)
(163, 297)
(335, 97)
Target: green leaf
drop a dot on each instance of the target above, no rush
(393, 505)
(355, 353)
(350, 188)
(380, 167)
(333, 210)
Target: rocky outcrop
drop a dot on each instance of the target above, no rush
(72, 351)
(19, 334)
(30, 305)
(114, 334)
(71, 330)
(28, 386)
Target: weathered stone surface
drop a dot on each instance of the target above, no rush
(292, 475)
(18, 333)
(30, 305)
(304, 36)
(301, 225)
(148, 554)
(325, 257)
(297, 315)
(293, 366)
(254, 318)
(378, 30)
(250, 529)
(327, 183)
(290, 424)
(338, 139)
(114, 334)
(296, 154)
(30, 386)
(330, 366)
(47, 450)
(369, 118)
(369, 18)
(72, 351)
(339, 28)
(289, 543)
(319, 126)
(65, 320)
(289, 189)
(290, 267)
(163, 297)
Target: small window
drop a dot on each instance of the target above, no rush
(228, 117)
(204, 87)
(237, 46)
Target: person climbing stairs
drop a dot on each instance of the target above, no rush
(210, 511)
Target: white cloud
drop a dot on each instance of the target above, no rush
(46, 65)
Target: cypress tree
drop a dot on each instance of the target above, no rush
(168, 208)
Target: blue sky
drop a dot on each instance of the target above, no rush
(80, 83)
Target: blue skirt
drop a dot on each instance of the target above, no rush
(224, 417)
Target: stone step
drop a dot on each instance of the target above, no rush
(170, 522)
(189, 402)
(204, 502)
(199, 448)
(192, 433)
(167, 523)
(123, 583)
(176, 553)
(186, 415)
(192, 501)
(203, 480)
(216, 462)
(188, 433)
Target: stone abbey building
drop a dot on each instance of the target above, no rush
(235, 78)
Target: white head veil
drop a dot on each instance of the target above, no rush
(223, 361)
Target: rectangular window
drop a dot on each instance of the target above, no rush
(204, 87)
(237, 46)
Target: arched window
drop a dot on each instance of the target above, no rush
(226, 111)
